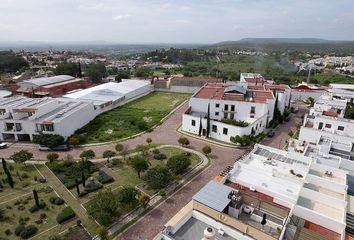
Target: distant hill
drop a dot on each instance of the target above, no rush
(283, 44)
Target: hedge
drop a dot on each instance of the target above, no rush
(103, 177)
(56, 200)
(66, 214)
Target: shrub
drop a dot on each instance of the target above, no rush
(52, 157)
(183, 141)
(127, 195)
(42, 180)
(160, 156)
(235, 122)
(178, 164)
(28, 232)
(24, 175)
(158, 177)
(19, 229)
(206, 149)
(66, 214)
(8, 232)
(56, 200)
(92, 186)
(104, 178)
(156, 151)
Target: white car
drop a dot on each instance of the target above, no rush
(3, 145)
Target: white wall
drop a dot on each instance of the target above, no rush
(304, 95)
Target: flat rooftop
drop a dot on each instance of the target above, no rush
(193, 229)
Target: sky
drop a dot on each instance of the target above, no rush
(178, 21)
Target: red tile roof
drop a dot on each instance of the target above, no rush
(201, 79)
(330, 114)
(216, 91)
(328, 234)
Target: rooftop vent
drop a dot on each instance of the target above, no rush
(209, 234)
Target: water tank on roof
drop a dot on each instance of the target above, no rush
(209, 234)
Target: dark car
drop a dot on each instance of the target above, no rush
(271, 134)
(63, 147)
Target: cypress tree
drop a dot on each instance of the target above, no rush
(83, 178)
(4, 166)
(208, 122)
(88, 167)
(35, 195)
(77, 187)
(79, 71)
(9, 179)
(200, 126)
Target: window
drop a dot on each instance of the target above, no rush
(49, 127)
(225, 115)
(214, 128)
(193, 122)
(18, 126)
(232, 116)
(253, 110)
(217, 105)
(320, 125)
(328, 125)
(251, 116)
(226, 107)
(340, 128)
(216, 113)
(225, 130)
(232, 108)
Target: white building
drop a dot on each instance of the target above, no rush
(234, 110)
(304, 91)
(22, 117)
(315, 194)
(326, 104)
(111, 95)
(343, 91)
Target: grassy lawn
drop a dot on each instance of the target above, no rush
(131, 118)
(16, 202)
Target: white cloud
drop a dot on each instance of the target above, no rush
(121, 17)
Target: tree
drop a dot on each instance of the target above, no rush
(4, 165)
(158, 177)
(48, 140)
(104, 207)
(142, 72)
(200, 127)
(206, 149)
(77, 187)
(142, 148)
(208, 122)
(183, 141)
(83, 178)
(121, 74)
(108, 154)
(119, 147)
(87, 154)
(102, 232)
(8, 174)
(144, 200)
(128, 195)
(74, 141)
(21, 156)
(52, 157)
(178, 164)
(35, 196)
(139, 164)
(149, 141)
(68, 68)
(96, 72)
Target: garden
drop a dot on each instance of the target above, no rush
(130, 119)
(29, 207)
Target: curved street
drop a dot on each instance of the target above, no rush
(151, 224)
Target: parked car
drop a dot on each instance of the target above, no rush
(271, 134)
(3, 145)
(63, 147)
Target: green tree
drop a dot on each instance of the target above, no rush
(178, 164)
(108, 154)
(87, 154)
(96, 72)
(119, 147)
(208, 122)
(149, 141)
(102, 232)
(74, 141)
(142, 72)
(83, 178)
(139, 164)
(206, 149)
(128, 195)
(52, 157)
(4, 165)
(122, 75)
(158, 177)
(183, 141)
(68, 68)
(77, 187)
(104, 207)
(21, 156)
(11, 63)
(48, 140)
(36, 199)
